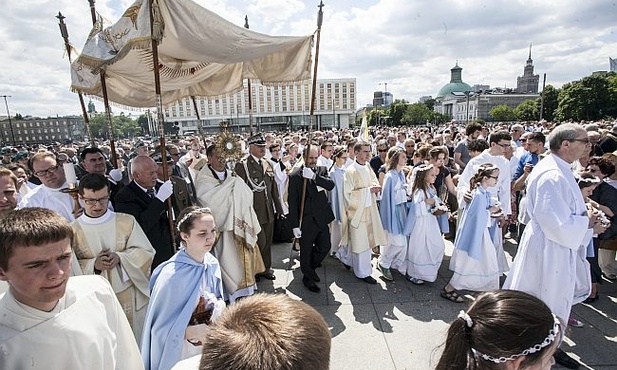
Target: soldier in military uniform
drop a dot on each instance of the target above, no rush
(258, 173)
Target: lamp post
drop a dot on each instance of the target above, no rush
(335, 123)
(6, 103)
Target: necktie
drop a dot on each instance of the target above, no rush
(150, 193)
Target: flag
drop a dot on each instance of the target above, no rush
(363, 134)
(612, 64)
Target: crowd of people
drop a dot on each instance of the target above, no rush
(180, 238)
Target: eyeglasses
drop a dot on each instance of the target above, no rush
(91, 202)
(48, 171)
(584, 141)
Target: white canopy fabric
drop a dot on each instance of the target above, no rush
(200, 54)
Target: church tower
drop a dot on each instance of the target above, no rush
(528, 82)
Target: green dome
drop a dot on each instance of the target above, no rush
(456, 83)
(453, 87)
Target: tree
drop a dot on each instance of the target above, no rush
(551, 96)
(430, 103)
(124, 127)
(397, 110)
(502, 113)
(416, 114)
(375, 116)
(591, 98)
(527, 110)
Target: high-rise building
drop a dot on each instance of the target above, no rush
(528, 82)
(274, 107)
(382, 99)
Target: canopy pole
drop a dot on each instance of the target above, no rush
(312, 112)
(65, 35)
(246, 25)
(110, 132)
(199, 128)
(161, 119)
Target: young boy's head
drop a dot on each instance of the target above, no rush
(35, 256)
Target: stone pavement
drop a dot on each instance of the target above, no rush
(398, 325)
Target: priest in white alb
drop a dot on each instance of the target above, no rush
(114, 246)
(49, 320)
(361, 226)
(551, 259)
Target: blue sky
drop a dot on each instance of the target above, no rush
(410, 45)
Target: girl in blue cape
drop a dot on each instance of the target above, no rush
(186, 294)
(392, 213)
(336, 196)
(426, 245)
(474, 260)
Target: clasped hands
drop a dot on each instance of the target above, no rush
(106, 260)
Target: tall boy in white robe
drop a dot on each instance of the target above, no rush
(51, 321)
(114, 246)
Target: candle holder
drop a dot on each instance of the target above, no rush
(73, 191)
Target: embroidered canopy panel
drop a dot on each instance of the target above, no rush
(200, 54)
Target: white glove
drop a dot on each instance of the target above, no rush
(165, 191)
(297, 232)
(307, 173)
(116, 174)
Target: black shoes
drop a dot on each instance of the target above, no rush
(310, 285)
(369, 280)
(265, 275)
(564, 360)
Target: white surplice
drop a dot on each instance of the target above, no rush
(119, 233)
(86, 330)
(551, 260)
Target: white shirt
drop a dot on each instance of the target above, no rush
(501, 190)
(54, 199)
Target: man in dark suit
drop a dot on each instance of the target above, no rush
(313, 232)
(144, 198)
(258, 173)
(184, 190)
(93, 161)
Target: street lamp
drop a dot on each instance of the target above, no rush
(6, 103)
(334, 118)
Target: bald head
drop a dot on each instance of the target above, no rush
(144, 171)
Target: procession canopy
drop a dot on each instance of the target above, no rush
(200, 54)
